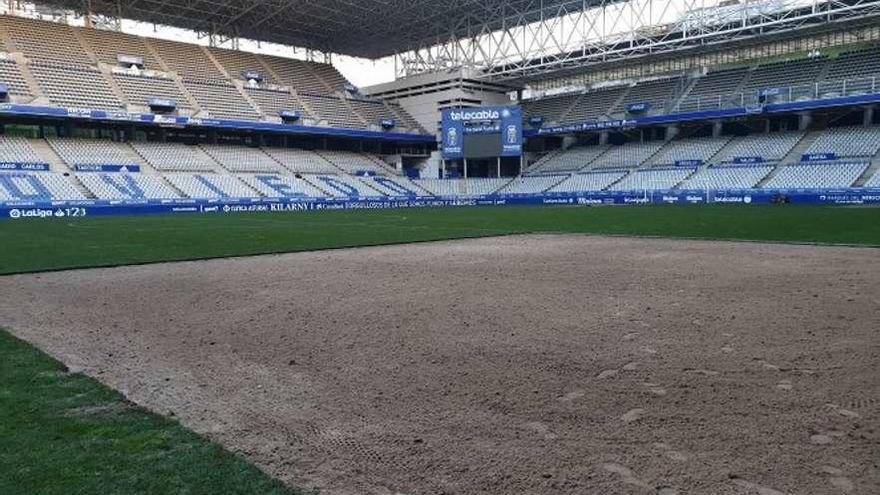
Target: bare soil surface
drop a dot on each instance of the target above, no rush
(526, 364)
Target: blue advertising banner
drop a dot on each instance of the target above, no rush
(506, 121)
(688, 163)
(512, 135)
(771, 91)
(34, 167)
(107, 168)
(748, 159)
(161, 103)
(640, 107)
(819, 157)
(536, 121)
(24, 209)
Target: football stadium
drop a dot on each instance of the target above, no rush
(440, 247)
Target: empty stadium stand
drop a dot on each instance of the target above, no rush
(698, 150)
(589, 182)
(271, 102)
(281, 186)
(768, 147)
(220, 99)
(657, 94)
(344, 186)
(627, 155)
(531, 185)
(127, 186)
(396, 186)
(595, 105)
(352, 162)
(855, 64)
(242, 159)
(210, 186)
(873, 181)
(109, 45)
(80, 87)
(10, 75)
(40, 41)
(848, 142)
(138, 89)
(570, 160)
(18, 150)
(553, 109)
(175, 157)
(728, 177)
(302, 161)
(93, 152)
(333, 111)
(817, 175)
(462, 187)
(295, 74)
(652, 179)
(38, 186)
(714, 90)
(87, 74)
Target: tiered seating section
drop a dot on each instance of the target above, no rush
(173, 170)
(798, 79)
(37, 186)
(18, 150)
(205, 82)
(127, 186)
(92, 152)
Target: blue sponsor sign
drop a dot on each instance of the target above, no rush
(93, 167)
(688, 163)
(819, 157)
(30, 207)
(770, 92)
(748, 159)
(387, 123)
(252, 75)
(34, 167)
(161, 103)
(506, 121)
(640, 107)
(290, 115)
(536, 121)
(129, 60)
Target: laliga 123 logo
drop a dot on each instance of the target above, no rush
(15, 213)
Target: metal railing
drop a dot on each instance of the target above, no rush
(786, 94)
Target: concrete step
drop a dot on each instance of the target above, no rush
(793, 156)
(869, 172)
(47, 154)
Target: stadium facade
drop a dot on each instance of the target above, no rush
(735, 102)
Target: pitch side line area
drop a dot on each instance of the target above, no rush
(520, 364)
(92, 242)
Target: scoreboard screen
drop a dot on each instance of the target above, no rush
(481, 132)
(482, 145)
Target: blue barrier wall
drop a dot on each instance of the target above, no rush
(75, 209)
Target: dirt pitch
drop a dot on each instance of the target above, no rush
(527, 364)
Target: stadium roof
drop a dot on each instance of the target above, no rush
(361, 28)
